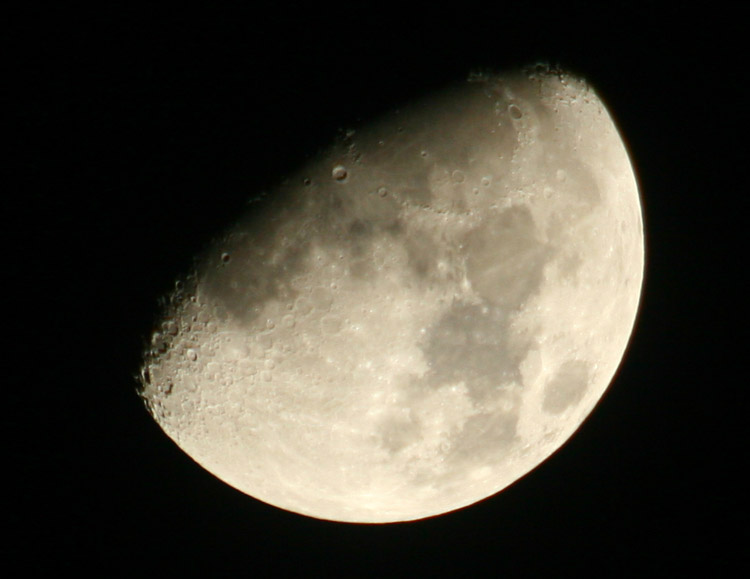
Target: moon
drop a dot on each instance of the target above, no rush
(418, 317)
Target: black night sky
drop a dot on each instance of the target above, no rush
(144, 131)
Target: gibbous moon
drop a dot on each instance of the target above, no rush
(420, 316)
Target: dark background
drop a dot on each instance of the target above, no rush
(145, 131)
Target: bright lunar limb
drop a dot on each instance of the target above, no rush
(419, 317)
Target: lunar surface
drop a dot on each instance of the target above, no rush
(417, 318)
